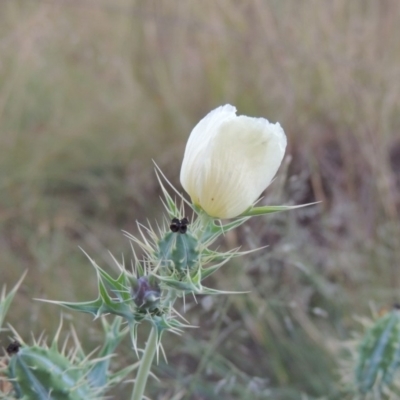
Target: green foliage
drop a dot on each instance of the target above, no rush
(6, 300)
(41, 372)
(38, 374)
(379, 357)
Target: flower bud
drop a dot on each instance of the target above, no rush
(146, 296)
(229, 160)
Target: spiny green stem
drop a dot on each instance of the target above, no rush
(145, 365)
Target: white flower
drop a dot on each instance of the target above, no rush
(229, 161)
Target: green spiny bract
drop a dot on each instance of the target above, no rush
(177, 254)
(39, 372)
(379, 357)
(128, 296)
(136, 299)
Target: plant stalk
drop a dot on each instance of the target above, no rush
(145, 365)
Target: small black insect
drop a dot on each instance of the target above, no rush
(175, 224)
(184, 224)
(179, 225)
(13, 347)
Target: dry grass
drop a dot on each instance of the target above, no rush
(92, 91)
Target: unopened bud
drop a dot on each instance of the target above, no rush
(146, 296)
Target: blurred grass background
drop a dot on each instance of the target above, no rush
(92, 91)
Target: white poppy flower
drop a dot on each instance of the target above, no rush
(229, 160)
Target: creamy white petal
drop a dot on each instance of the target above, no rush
(199, 139)
(241, 162)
